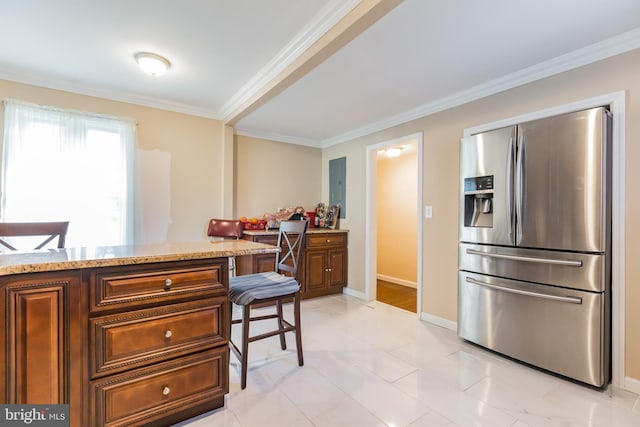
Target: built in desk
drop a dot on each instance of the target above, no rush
(323, 268)
(126, 335)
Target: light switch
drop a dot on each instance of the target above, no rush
(428, 211)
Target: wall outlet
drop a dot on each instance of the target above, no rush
(428, 211)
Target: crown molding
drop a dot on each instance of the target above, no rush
(100, 92)
(598, 51)
(329, 16)
(277, 137)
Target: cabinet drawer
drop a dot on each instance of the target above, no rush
(113, 288)
(132, 339)
(145, 396)
(325, 240)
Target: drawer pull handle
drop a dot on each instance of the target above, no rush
(166, 390)
(168, 333)
(568, 262)
(168, 283)
(572, 300)
(328, 240)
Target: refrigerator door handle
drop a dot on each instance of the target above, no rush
(566, 262)
(572, 300)
(519, 193)
(510, 190)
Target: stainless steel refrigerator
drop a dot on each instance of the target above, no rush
(534, 277)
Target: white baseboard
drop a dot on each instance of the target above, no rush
(397, 281)
(439, 321)
(356, 294)
(632, 385)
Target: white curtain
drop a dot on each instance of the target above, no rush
(61, 165)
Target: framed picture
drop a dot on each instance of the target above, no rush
(332, 216)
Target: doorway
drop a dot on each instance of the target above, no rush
(394, 226)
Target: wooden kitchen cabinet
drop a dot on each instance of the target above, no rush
(41, 327)
(113, 331)
(158, 342)
(126, 336)
(324, 262)
(260, 263)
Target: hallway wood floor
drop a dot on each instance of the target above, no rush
(400, 296)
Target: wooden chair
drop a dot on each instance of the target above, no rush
(226, 229)
(269, 287)
(20, 229)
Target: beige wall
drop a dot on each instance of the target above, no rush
(442, 132)
(272, 175)
(179, 158)
(397, 217)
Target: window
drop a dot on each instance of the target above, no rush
(61, 165)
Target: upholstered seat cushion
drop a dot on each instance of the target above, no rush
(245, 289)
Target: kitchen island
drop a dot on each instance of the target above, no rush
(126, 335)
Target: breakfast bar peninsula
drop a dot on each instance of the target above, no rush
(126, 335)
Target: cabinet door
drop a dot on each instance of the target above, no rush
(250, 264)
(315, 271)
(264, 263)
(337, 274)
(42, 330)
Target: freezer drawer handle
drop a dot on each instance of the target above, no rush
(572, 300)
(527, 258)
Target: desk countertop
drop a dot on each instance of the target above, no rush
(72, 258)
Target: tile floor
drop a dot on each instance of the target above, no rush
(370, 364)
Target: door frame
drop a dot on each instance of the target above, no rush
(371, 220)
(617, 103)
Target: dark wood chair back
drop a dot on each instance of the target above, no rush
(225, 228)
(290, 241)
(50, 230)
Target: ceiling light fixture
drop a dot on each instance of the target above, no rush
(152, 64)
(393, 151)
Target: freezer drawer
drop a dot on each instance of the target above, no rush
(588, 272)
(561, 330)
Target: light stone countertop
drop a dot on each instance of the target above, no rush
(72, 258)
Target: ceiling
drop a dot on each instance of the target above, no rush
(311, 72)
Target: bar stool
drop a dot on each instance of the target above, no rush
(269, 287)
